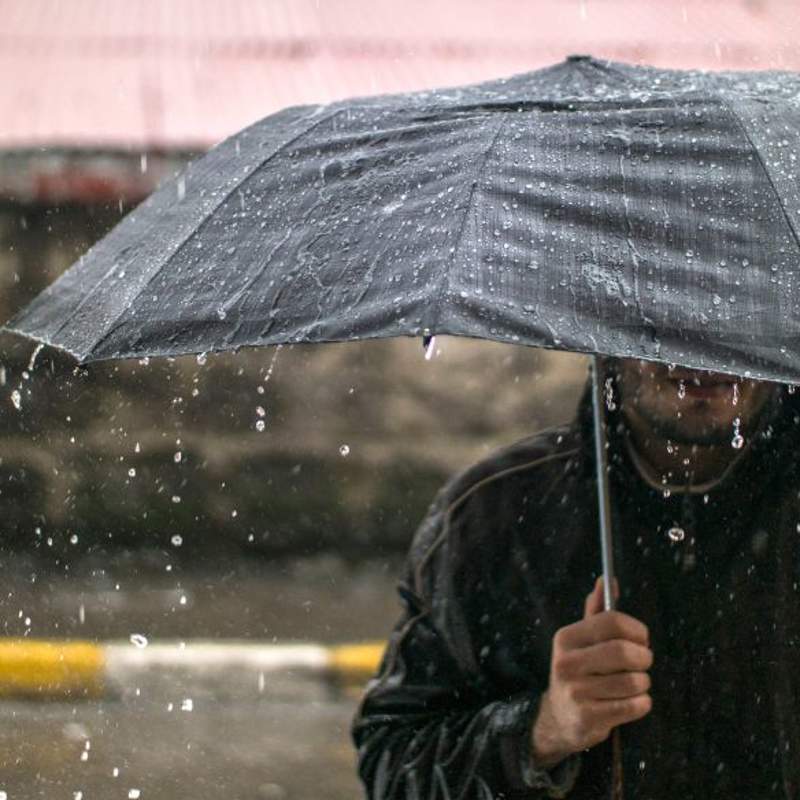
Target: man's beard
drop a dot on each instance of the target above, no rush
(679, 430)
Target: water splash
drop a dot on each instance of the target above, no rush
(139, 640)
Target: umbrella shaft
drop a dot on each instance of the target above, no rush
(601, 462)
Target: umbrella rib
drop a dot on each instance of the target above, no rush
(774, 188)
(206, 218)
(478, 174)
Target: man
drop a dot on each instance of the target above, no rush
(503, 680)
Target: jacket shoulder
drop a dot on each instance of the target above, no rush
(540, 460)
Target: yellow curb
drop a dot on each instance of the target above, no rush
(355, 663)
(50, 668)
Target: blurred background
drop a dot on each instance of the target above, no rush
(267, 496)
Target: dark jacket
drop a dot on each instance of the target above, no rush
(507, 555)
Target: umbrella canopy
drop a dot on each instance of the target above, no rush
(590, 206)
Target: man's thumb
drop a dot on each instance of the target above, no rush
(594, 600)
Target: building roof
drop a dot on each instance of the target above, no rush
(183, 74)
(164, 77)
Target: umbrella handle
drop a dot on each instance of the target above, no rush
(606, 548)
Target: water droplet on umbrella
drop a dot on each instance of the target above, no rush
(344, 450)
(676, 534)
(139, 640)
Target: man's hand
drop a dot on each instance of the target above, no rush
(598, 680)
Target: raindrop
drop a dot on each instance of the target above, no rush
(202, 358)
(177, 540)
(260, 410)
(681, 389)
(144, 361)
(735, 399)
(134, 794)
(221, 313)
(16, 399)
(429, 348)
(137, 448)
(676, 534)
(176, 498)
(178, 457)
(181, 186)
(33, 356)
(610, 404)
(139, 640)
(344, 450)
(738, 440)
(260, 425)
(132, 472)
(187, 704)
(73, 539)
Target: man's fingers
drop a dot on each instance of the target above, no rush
(602, 626)
(605, 658)
(618, 686)
(618, 712)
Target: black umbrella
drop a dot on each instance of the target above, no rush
(590, 206)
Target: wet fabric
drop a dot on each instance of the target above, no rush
(590, 206)
(506, 557)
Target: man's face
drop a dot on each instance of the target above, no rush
(689, 406)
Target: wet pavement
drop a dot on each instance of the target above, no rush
(145, 749)
(180, 743)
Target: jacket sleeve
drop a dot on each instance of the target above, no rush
(429, 725)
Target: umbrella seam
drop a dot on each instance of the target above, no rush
(738, 121)
(446, 278)
(207, 217)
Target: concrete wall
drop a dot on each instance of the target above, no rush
(356, 438)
